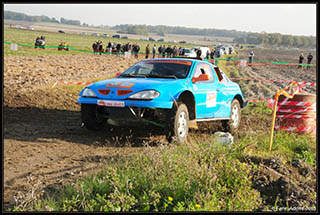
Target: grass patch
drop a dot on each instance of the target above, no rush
(199, 176)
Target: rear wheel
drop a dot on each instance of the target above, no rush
(91, 118)
(179, 129)
(233, 124)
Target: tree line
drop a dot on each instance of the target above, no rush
(163, 29)
(23, 17)
(277, 39)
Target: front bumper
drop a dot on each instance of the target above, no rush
(132, 103)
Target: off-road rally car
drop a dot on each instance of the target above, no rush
(170, 92)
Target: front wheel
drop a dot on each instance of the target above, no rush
(233, 124)
(179, 129)
(91, 118)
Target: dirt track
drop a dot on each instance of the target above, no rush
(43, 138)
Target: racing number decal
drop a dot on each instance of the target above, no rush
(123, 84)
(211, 99)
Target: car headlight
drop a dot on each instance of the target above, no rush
(88, 93)
(145, 95)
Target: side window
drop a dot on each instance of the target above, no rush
(203, 68)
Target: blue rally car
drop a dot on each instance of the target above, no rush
(170, 92)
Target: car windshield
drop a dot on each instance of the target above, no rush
(187, 51)
(176, 69)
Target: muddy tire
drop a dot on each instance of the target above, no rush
(233, 124)
(90, 117)
(179, 124)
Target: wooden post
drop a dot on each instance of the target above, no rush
(274, 112)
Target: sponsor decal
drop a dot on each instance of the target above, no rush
(110, 103)
(211, 99)
(123, 84)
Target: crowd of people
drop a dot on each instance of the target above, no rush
(134, 49)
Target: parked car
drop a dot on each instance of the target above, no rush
(161, 40)
(169, 93)
(151, 39)
(144, 39)
(124, 37)
(193, 52)
(83, 33)
(182, 41)
(95, 34)
(61, 31)
(104, 35)
(116, 36)
(30, 28)
(171, 41)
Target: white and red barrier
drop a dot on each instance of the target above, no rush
(251, 79)
(301, 129)
(74, 83)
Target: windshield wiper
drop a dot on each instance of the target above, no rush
(161, 76)
(130, 75)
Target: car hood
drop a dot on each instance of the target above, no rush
(133, 85)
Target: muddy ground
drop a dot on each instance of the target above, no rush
(45, 145)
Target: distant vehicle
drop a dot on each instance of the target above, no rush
(171, 41)
(104, 35)
(18, 27)
(161, 40)
(144, 39)
(193, 52)
(151, 39)
(116, 36)
(30, 28)
(61, 31)
(124, 37)
(83, 33)
(192, 42)
(95, 34)
(182, 41)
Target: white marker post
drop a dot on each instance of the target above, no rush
(14, 47)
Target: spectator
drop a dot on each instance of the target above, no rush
(147, 51)
(94, 47)
(310, 57)
(180, 51)
(212, 53)
(199, 53)
(154, 51)
(118, 47)
(301, 58)
(43, 37)
(160, 50)
(163, 51)
(109, 47)
(251, 58)
(169, 51)
(100, 47)
(174, 51)
(207, 55)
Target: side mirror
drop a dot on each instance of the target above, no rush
(117, 74)
(202, 77)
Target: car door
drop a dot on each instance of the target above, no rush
(207, 93)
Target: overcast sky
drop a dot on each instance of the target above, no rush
(295, 19)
